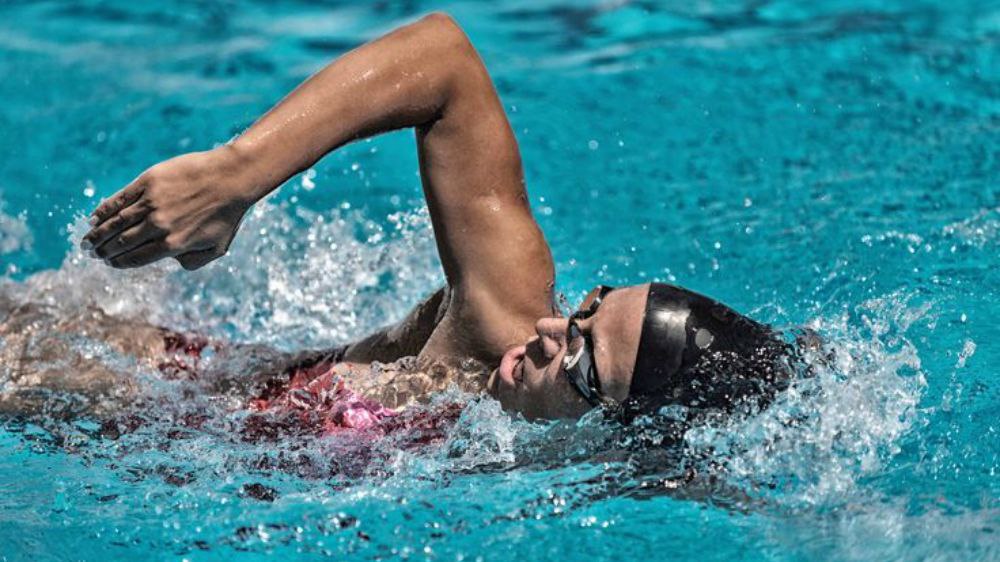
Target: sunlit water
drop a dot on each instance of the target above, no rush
(832, 165)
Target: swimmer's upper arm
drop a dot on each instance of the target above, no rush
(494, 254)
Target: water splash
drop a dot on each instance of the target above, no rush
(841, 421)
(291, 271)
(979, 230)
(15, 236)
(292, 279)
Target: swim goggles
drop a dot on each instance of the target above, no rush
(581, 367)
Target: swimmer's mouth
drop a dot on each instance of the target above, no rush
(493, 383)
(518, 372)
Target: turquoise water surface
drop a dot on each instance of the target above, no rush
(830, 164)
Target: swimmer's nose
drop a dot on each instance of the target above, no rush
(552, 335)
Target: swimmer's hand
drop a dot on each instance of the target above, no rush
(188, 208)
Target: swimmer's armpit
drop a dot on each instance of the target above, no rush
(403, 339)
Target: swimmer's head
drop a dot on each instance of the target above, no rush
(634, 350)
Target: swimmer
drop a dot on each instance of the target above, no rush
(629, 350)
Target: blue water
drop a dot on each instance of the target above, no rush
(832, 164)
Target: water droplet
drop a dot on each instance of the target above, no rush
(703, 338)
(307, 179)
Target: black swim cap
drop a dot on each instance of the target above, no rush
(699, 353)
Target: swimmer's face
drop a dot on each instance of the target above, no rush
(531, 380)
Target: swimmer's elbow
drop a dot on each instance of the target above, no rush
(445, 27)
(449, 36)
(465, 76)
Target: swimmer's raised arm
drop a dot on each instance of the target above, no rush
(426, 75)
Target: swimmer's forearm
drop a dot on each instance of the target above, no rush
(404, 79)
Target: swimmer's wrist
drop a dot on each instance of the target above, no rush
(247, 174)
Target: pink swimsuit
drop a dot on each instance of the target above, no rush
(315, 400)
(319, 397)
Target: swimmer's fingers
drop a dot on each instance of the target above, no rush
(114, 226)
(129, 239)
(114, 204)
(143, 255)
(195, 260)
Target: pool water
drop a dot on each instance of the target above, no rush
(829, 164)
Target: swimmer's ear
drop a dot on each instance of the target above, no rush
(195, 260)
